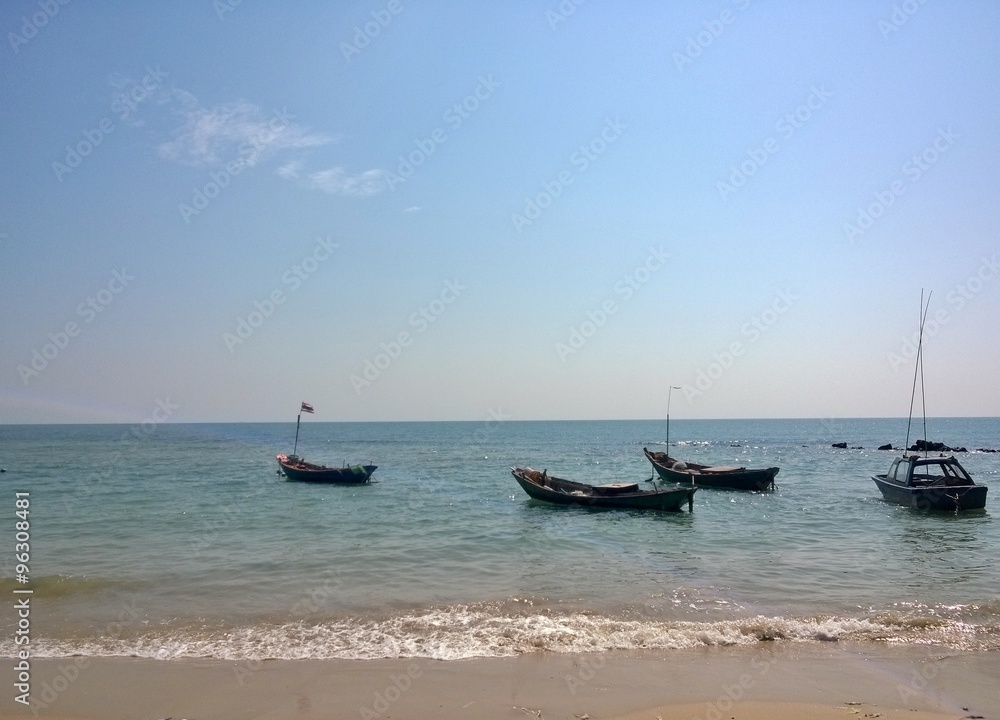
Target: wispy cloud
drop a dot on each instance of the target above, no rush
(241, 131)
(290, 171)
(210, 136)
(129, 94)
(335, 180)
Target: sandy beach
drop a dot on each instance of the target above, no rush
(836, 683)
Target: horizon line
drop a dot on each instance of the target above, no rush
(514, 420)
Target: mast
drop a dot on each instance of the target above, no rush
(919, 368)
(923, 393)
(672, 388)
(297, 421)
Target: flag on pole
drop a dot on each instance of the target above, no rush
(307, 408)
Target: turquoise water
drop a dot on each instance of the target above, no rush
(181, 540)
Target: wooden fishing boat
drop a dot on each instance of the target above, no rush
(729, 477)
(939, 483)
(542, 486)
(295, 468)
(926, 483)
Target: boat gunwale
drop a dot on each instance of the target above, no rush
(346, 475)
(528, 478)
(745, 479)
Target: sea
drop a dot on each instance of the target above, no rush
(169, 541)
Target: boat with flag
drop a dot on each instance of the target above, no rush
(297, 469)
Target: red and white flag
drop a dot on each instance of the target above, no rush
(307, 408)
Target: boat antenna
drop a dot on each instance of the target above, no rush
(919, 368)
(672, 388)
(295, 449)
(923, 393)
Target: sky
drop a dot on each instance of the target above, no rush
(396, 210)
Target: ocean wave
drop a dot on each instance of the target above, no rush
(462, 632)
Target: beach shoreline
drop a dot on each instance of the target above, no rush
(779, 681)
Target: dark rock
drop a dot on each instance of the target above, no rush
(841, 445)
(990, 450)
(887, 446)
(931, 446)
(928, 446)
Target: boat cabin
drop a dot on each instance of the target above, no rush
(914, 471)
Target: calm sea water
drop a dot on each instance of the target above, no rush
(181, 541)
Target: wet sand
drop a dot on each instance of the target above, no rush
(767, 683)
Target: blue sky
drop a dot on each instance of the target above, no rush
(423, 211)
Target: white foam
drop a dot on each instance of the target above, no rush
(461, 632)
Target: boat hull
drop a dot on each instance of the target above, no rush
(301, 471)
(931, 483)
(566, 492)
(935, 497)
(704, 476)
